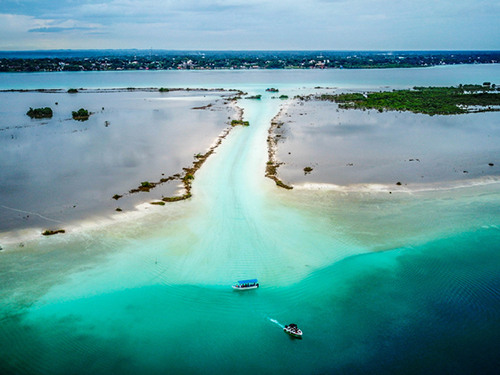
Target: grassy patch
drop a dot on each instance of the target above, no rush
(240, 122)
(160, 203)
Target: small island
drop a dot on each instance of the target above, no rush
(52, 232)
(81, 115)
(240, 122)
(40, 112)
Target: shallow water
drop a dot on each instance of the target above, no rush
(379, 283)
(348, 147)
(54, 171)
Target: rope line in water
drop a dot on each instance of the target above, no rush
(32, 213)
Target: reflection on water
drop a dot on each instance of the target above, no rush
(58, 169)
(347, 147)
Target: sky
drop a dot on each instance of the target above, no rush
(250, 24)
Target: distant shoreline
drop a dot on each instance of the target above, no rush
(132, 60)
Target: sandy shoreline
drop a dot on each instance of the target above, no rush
(391, 188)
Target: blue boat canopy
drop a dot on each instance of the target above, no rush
(247, 281)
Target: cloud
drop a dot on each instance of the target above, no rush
(258, 24)
(57, 29)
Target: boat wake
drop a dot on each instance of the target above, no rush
(276, 322)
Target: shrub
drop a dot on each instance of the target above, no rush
(240, 122)
(52, 232)
(40, 112)
(81, 114)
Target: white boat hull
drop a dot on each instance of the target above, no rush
(295, 333)
(236, 287)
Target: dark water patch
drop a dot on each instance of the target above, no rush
(430, 309)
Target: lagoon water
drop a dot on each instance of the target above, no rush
(379, 283)
(64, 169)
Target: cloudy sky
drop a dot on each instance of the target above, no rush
(250, 24)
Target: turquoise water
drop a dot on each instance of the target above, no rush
(378, 283)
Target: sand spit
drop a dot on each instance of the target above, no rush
(188, 174)
(272, 146)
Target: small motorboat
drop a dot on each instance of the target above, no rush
(293, 330)
(246, 284)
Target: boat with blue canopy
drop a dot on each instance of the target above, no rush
(246, 284)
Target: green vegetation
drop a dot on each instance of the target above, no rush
(118, 60)
(178, 198)
(162, 89)
(52, 232)
(272, 172)
(427, 100)
(307, 170)
(72, 91)
(281, 184)
(40, 112)
(160, 203)
(116, 196)
(240, 122)
(81, 115)
(283, 96)
(254, 97)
